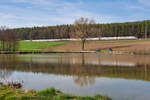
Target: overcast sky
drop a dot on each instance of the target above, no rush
(28, 13)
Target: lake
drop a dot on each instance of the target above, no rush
(121, 77)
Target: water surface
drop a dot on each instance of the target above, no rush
(122, 77)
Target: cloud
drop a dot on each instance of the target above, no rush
(41, 2)
(6, 16)
(47, 12)
(137, 8)
(145, 2)
(28, 13)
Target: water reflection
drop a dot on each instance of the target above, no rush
(5, 74)
(84, 80)
(81, 74)
(83, 67)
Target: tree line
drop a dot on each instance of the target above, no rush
(8, 40)
(138, 29)
(82, 28)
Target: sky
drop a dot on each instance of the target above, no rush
(29, 13)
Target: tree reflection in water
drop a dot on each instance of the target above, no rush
(4, 75)
(84, 80)
(84, 68)
(5, 62)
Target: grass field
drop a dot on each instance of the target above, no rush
(126, 46)
(47, 94)
(29, 45)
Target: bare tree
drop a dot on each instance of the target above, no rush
(83, 29)
(2, 37)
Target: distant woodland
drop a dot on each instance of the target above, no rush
(139, 29)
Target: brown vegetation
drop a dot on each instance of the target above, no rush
(116, 45)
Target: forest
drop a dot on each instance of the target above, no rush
(140, 29)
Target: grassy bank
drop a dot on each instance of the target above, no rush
(47, 94)
(31, 46)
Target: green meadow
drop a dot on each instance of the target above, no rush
(29, 45)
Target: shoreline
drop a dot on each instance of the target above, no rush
(45, 52)
(8, 93)
(50, 52)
